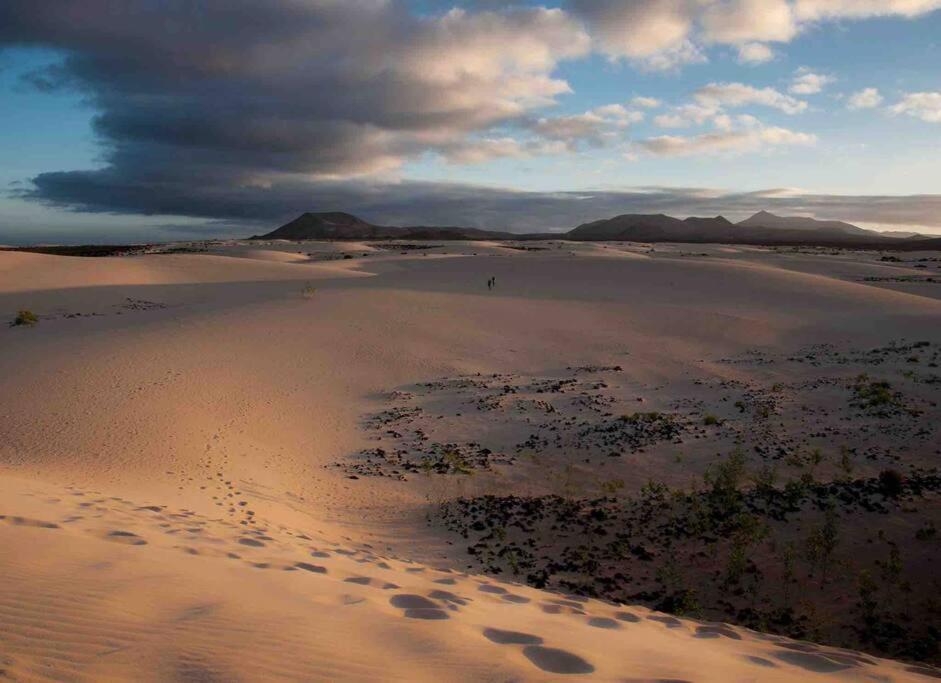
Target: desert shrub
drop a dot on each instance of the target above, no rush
(25, 317)
(710, 420)
(724, 481)
(891, 483)
(874, 396)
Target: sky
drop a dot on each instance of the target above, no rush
(138, 120)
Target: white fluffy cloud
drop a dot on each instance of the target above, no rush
(806, 82)
(646, 102)
(744, 21)
(867, 98)
(922, 105)
(754, 53)
(669, 33)
(750, 138)
(740, 94)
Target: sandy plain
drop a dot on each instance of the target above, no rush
(355, 461)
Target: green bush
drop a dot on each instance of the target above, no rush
(25, 317)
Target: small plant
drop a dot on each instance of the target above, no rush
(308, 292)
(612, 487)
(846, 462)
(710, 420)
(823, 541)
(25, 317)
(877, 397)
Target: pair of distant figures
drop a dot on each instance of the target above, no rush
(491, 283)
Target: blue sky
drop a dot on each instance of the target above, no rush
(866, 123)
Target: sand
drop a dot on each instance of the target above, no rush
(177, 429)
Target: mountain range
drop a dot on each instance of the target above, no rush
(763, 228)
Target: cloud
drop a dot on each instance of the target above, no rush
(636, 29)
(666, 34)
(322, 88)
(482, 150)
(746, 21)
(922, 105)
(754, 53)
(219, 103)
(687, 115)
(748, 139)
(258, 209)
(739, 94)
(867, 98)
(646, 102)
(862, 9)
(806, 82)
(596, 128)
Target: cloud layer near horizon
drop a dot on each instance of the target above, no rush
(254, 111)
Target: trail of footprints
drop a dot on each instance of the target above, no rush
(435, 594)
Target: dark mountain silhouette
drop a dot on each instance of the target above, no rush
(656, 227)
(336, 225)
(763, 219)
(763, 228)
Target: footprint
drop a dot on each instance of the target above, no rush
(361, 580)
(669, 622)
(418, 607)
(431, 614)
(488, 588)
(409, 601)
(447, 596)
(515, 599)
(26, 521)
(251, 542)
(603, 622)
(556, 661)
(761, 661)
(307, 567)
(502, 637)
(717, 631)
(628, 616)
(125, 537)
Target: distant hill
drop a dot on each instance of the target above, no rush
(336, 225)
(330, 225)
(763, 228)
(655, 227)
(763, 219)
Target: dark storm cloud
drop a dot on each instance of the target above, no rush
(417, 203)
(236, 91)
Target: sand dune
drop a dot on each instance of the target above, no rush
(172, 428)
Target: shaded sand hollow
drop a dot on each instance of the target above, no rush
(170, 508)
